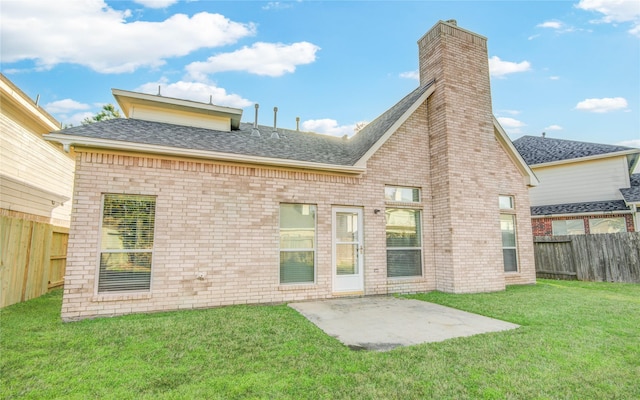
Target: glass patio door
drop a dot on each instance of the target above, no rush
(347, 250)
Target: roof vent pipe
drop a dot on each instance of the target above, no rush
(297, 124)
(274, 134)
(254, 131)
(159, 91)
(544, 134)
(211, 99)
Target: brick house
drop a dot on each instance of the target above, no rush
(584, 188)
(183, 206)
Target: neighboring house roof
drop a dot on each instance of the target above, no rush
(632, 194)
(541, 150)
(578, 208)
(11, 94)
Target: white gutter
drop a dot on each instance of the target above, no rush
(71, 140)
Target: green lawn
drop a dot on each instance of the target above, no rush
(577, 341)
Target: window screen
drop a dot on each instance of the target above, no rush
(127, 230)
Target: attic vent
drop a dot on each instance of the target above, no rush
(254, 131)
(274, 134)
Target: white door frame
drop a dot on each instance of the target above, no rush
(348, 283)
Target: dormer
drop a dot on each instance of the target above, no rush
(157, 108)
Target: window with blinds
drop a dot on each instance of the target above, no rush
(126, 247)
(404, 242)
(297, 243)
(508, 232)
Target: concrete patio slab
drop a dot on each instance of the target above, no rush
(384, 323)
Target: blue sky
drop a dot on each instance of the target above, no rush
(567, 68)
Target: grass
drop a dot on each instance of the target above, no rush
(577, 341)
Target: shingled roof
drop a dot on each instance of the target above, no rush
(632, 194)
(575, 208)
(291, 145)
(540, 150)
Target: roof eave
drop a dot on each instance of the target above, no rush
(107, 144)
(587, 158)
(523, 167)
(362, 162)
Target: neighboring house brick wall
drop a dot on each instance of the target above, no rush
(544, 226)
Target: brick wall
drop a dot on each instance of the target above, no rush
(468, 173)
(544, 226)
(221, 220)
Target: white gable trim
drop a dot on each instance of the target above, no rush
(362, 162)
(80, 141)
(509, 148)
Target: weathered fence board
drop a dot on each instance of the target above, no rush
(613, 257)
(31, 255)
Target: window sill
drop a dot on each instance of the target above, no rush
(284, 287)
(121, 296)
(406, 279)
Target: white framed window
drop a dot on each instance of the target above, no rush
(567, 227)
(402, 194)
(506, 202)
(509, 248)
(607, 225)
(404, 242)
(297, 243)
(126, 245)
(508, 232)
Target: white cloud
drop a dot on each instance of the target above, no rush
(553, 128)
(267, 59)
(499, 68)
(328, 127)
(156, 3)
(630, 143)
(65, 106)
(277, 5)
(550, 24)
(92, 34)
(554, 78)
(510, 112)
(511, 125)
(615, 11)
(77, 118)
(604, 105)
(196, 91)
(410, 75)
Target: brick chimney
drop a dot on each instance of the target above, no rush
(463, 153)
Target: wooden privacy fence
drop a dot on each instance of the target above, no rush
(610, 257)
(32, 260)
